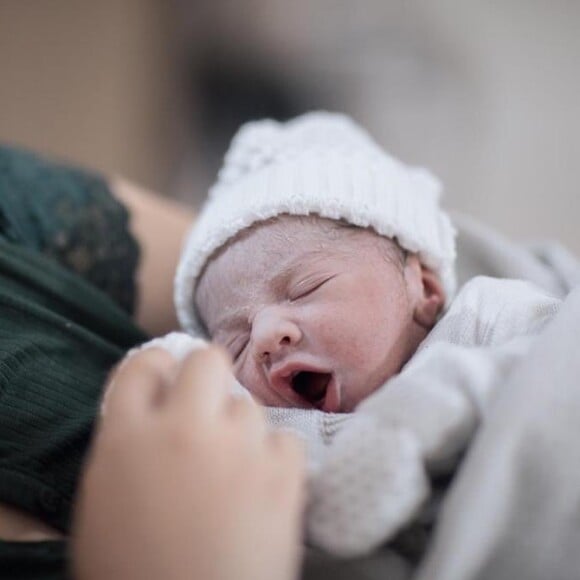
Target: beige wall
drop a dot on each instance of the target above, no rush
(486, 94)
(90, 81)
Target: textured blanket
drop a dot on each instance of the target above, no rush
(512, 509)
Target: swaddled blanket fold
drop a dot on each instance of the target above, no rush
(514, 509)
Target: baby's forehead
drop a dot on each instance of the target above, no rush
(276, 244)
(261, 257)
(311, 232)
(274, 240)
(270, 255)
(286, 227)
(287, 238)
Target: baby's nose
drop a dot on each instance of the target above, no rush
(273, 333)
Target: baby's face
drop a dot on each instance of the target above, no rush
(314, 315)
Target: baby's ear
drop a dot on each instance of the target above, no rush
(431, 301)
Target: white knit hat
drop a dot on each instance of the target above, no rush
(324, 164)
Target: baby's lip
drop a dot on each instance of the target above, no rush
(318, 389)
(332, 399)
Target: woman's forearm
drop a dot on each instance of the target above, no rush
(160, 226)
(18, 526)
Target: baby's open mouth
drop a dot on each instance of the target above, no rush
(311, 386)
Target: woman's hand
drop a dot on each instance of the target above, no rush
(185, 481)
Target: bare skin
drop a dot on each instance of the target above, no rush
(186, 482)
(18, 526)
(160, 225)
(316, 315)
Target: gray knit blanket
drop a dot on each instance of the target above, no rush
(512, 510)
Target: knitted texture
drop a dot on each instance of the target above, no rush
(374, 478)
(322, 164)
(372, 483)
(317, 429)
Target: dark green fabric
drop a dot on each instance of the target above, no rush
(59, 337)
(33, 561)
(69, 215)
(67, 268)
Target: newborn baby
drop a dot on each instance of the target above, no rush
(314, 312)
(326, 268)
(319, 262)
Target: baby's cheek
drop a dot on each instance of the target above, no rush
(330, 325)
(345, 340)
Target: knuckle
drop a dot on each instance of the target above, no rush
(150, 361)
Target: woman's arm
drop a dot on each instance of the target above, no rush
(160, 226)
(17, 526)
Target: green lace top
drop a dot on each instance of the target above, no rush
(69, 216)
(67, 288)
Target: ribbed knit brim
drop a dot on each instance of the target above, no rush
(322, 164)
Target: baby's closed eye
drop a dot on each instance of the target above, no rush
(307, 286)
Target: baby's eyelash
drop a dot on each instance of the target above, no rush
(305, 288)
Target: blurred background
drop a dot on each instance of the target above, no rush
(486, 94)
